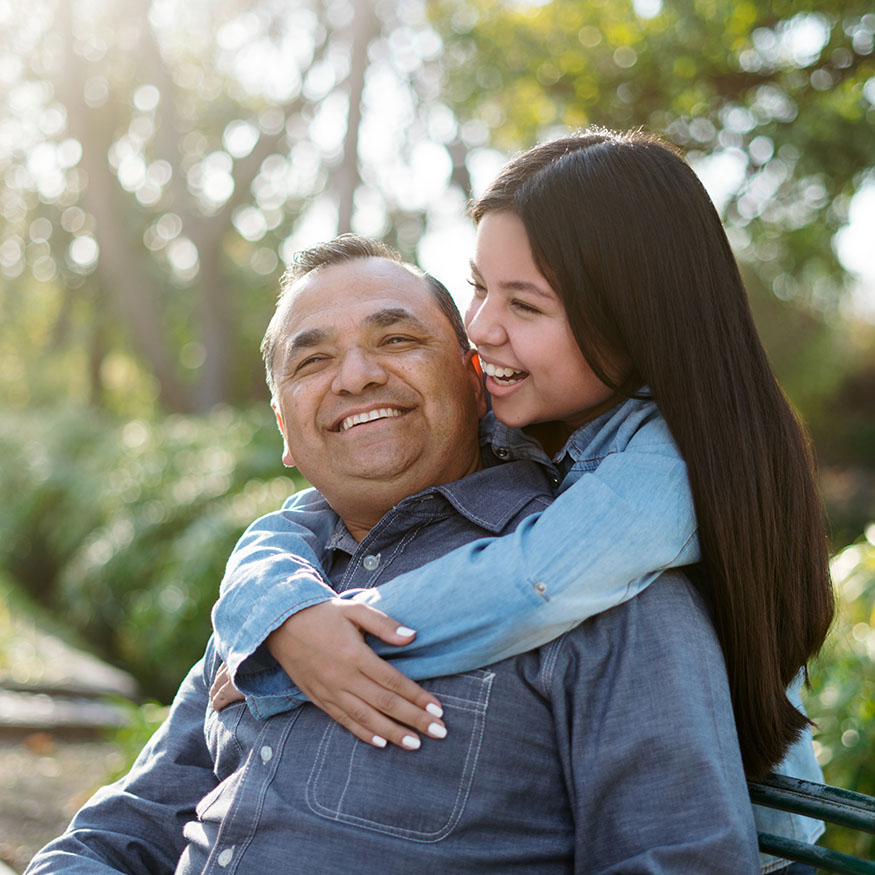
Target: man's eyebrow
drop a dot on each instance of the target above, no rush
(384, 318)
(390, 316)
(306, 339)
(515, 285)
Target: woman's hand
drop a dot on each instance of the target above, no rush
(322, 649)
(223, 692)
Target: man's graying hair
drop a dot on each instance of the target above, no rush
(349, 247)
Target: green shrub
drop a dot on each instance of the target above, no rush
(842, 698)
(123, 529)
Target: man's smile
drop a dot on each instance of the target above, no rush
(355, 419)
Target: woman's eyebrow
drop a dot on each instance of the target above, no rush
(516, 285)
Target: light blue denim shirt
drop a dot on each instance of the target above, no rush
(624, 513)
(559, 760)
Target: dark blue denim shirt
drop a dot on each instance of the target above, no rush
(610, 749)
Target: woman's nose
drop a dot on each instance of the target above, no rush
(484, 323)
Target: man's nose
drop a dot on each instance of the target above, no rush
(484, 324)
(358, 370)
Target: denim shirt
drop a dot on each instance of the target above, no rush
(559, 760)
(624, 513)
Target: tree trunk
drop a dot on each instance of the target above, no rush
(347, 179)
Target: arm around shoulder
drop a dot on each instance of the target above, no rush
(626, 518)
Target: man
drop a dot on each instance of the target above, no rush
(609, 749)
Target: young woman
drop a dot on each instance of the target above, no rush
(613, 327)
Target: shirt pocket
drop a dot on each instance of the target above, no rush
(415, 795)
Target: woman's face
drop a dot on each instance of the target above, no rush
(535, 371)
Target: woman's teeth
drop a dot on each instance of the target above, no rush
(359, 418)
(502, 375)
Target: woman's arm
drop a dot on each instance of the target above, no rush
(286, 638)
(274, 571)
(602, 541)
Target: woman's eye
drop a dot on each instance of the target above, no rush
(523, 307)
(479, 288)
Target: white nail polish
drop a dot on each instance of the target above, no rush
(405, 632)
(434, 710)
(437, 731)
(378, 741)
(411, 742)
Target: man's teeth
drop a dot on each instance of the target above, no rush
(359, 418)
(507, 375)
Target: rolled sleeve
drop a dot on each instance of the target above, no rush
(274, 572)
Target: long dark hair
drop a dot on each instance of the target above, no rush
(628, 237)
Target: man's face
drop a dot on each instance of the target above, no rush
(374, 397)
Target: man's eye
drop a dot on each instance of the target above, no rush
(309, 362)
(395, 339)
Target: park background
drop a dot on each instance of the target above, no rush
(161, 162)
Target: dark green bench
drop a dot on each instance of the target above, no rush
(832, 804)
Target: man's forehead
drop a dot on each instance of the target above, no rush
(366, 290)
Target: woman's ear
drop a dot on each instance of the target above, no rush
(288, 461)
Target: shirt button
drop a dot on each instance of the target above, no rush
(225, 857)
(371, 563)
(266, 754)
(501, 452)
(555, 480)
(540, 587)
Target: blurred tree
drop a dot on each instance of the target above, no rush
(162, 158)
(774, 102)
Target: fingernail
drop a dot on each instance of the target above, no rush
(434, 710)
(378, 741)
(405, 632)
(437, 731)
(411, 742)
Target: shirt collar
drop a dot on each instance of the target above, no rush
(513, 443)
(489, 498)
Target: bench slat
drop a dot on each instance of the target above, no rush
(822, 858)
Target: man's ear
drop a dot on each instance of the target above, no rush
(472, 363)
(288, 461)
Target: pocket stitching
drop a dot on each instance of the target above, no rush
(476, 707)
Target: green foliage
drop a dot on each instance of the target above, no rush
(842, 698)
(141, 723)
(124, 528)
(775, 87)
